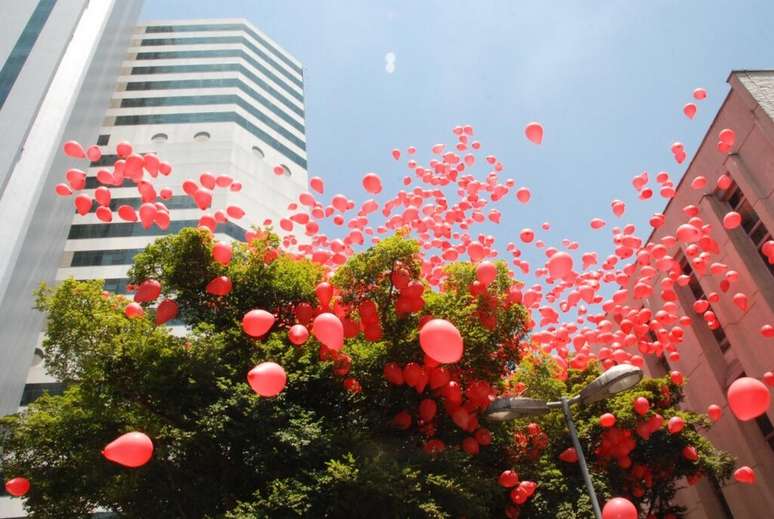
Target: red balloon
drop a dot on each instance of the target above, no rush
(203, 198)
(83, 204)
(17, 487)
(727, 136)
(641, 406)
(123, 149)
(327, 328)
(675, 425)
(619, 508)
(133, 310)
(523, 195)
(324, 292)
(372, 183)
(534, 132)
(74, 149)
(127, 213)
(607, 420)
(508, 479)
(222, 252)
(714, 412)
(235, 212)
(256, 323)
(689, 110)
(132, 450)
(699, 94)
(745, 475)
(748, 398)
(486, 272)
(166, 311)
(732, 220)
(104, 214)
(267, 379)
(298, 334)
(569, 455)
(148, 214)
(441, 341)
(147, 291)
(63, 190)
(768, 378)
(560, 265)
(220, 286)
(317, 184)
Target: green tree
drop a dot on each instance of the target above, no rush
(340, 440)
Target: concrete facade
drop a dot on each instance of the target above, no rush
(712, 360)
(61, 88)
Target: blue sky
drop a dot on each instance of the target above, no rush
(607, 79)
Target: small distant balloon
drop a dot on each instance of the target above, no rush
(534, 132)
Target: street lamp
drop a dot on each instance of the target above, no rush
(614, 380)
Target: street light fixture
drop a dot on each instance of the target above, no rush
(615, 380)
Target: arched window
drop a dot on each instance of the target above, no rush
(159, 138)
(258, 152)
(202, 137)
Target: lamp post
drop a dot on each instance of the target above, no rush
(614, 380)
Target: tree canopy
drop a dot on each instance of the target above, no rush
(377, 429)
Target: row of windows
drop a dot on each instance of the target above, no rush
(34, 391)
(215, 83)
(176, 202)
(751, 222)
(21, 50)
(698, 293)
(97, 258)
(223, 67)
(124, 230)
(226, 27)
(211, 100)
(212, 117)
(214, 40)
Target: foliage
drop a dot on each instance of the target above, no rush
(328, 445)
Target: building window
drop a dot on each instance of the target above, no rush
(159, 138)
(258, 152)
(123, 230)
(221, 100)
(116, 285)
(751, 222)
(224, 67)
(211, 117)
(34, 391)
(95, 258)
(215, 40)
(698, 294)
(103, 140)
(21, 50)
(226, 27)
(286, 170)
(186, 84)
(37, 357)
(202, 137)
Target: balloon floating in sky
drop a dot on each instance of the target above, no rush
(699, 94)
(131, 450)
(534, 132)
(267, 379)
(689, 110)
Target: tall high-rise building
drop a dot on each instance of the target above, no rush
(714, 357)
(60, 60)
(213, 96)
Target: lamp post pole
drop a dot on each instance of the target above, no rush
(581, 458)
